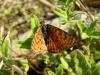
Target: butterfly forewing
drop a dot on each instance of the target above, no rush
(38, 42)
(60, 39)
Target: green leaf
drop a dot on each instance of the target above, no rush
(81, 26)
(96, 70)
(91, 27)
(60, 12)
(51, 73)
(69, 2)
(91, 60)
(5, 46)
(68, 58)
(95, 35)
(25, 44)
(96, 55)
(7, 12)
(64, 63)
(52, 58)
(78, 68)
(71, 14)
(9, 61)
(83, 61)
(59, 70)
(4, 72)
(84, 35)
(25, 41)
(86, 49)
(34, 23)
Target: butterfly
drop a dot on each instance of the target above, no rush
(49, 38)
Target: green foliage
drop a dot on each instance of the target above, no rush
(66, 2)
(67, 15)
(83, 61)
(90, 29)
(5, 46)
(51, 73)
(7, 12)
(96, 55)
(88, 32)
(51, 58)
(34, 23)
(66, 10)
(96, 69)
(78, 68)
(26, 41)
(5, 49)
(61, 13)
(64, 63)
(5, 55)
(59, 70)
(8, 61)
(3, 72)
(24, 63)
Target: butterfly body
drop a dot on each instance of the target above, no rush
(49, 38)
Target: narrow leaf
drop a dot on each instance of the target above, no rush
(34, 23)
(59, 70)
(84, 35)
(64, 63)
(51, 73)
(95, 35)
(78, 68)
(9, 61)
(83, 61)
(91, 27)
(96, 55)
(96, 70)
(60, 12)
(81, 26)
(5, 46)
(69, 2)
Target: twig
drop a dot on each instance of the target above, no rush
(45, 2)
(85, 8)
(18, 70)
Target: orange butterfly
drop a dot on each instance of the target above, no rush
(49, 38)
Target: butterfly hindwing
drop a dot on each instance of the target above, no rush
(38, 42)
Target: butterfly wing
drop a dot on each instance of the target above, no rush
(38, 43)
(54, 40)
(58, 39)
